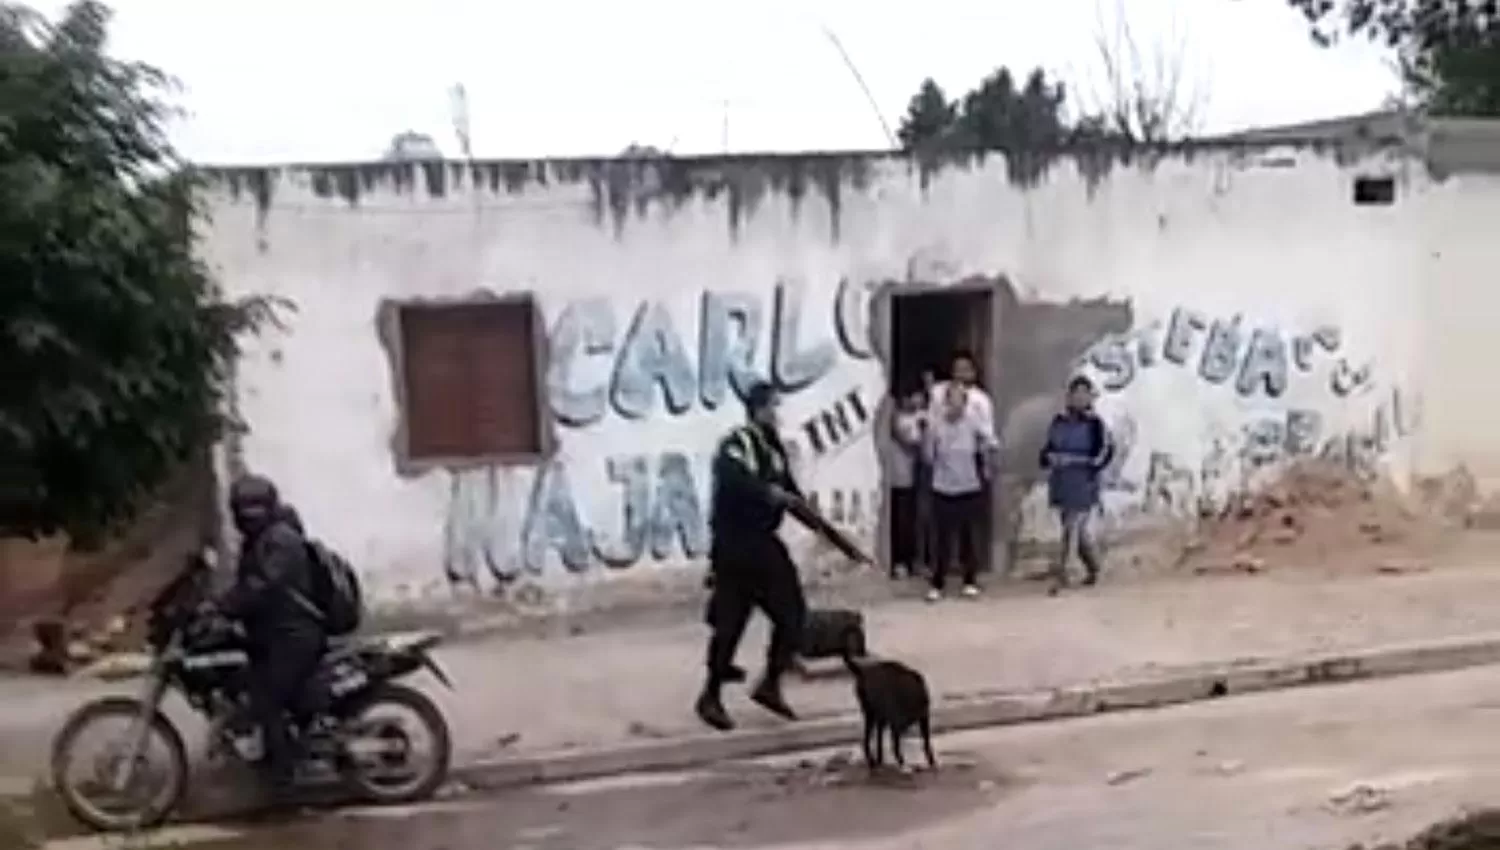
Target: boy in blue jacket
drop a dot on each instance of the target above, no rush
(1077, 451)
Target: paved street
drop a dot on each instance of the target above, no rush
(536, 695)
(1319, 768)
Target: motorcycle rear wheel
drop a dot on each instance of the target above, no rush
(90, 813)
(426, 783)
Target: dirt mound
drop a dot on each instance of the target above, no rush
(1477, 831)
(1313, 511)
(75, 605)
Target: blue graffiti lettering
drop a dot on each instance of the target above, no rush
(585, 329)
(552, 522)
(1303, 427)
(1182, 332)
(792, 367)
(633, 473)
(476, 532)
(1262, 366)
(1220, 351)
(658, 516)
(678, 518)
(1346, 380)
(653, 360)
(1147, 343)
(727, 345)
(652, 356)
(1265, 441)
(1111, 357)
(1325, 337)
(1265, 365)
(852, 318)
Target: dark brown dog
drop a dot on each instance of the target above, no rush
(892, 697)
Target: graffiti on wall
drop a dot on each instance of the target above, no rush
(1340, 412)
(641, 366)
(1253, 360)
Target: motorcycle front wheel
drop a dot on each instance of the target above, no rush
(380, 762)
(154, 770)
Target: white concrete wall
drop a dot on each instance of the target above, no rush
(1262, 315)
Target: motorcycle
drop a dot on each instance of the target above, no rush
(341, 734)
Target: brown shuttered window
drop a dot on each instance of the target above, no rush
(470, 380)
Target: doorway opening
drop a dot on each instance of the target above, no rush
(928, 327)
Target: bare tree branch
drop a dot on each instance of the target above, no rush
(1147, 95)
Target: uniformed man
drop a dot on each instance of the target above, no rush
(749, 565)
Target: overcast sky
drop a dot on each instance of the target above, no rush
(312, 80)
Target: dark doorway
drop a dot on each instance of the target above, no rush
(927, 327)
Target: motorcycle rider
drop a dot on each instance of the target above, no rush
(271, 599)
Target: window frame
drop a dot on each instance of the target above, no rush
(393, 329)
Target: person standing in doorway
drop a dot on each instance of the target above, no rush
(964, 372)
(1077, 451)
(958, 451)
(905, 472)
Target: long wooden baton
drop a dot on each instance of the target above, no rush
(815, 520)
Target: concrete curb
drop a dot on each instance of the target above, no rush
(1172, 687)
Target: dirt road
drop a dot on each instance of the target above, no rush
(607, 688)
(1320, 768)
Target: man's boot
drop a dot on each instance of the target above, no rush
(710, 708)
(768, 696)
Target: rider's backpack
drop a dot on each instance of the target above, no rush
(336, 590)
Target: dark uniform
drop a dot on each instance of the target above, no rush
(750, 566)
(270, 598)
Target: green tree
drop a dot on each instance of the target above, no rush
(999, 115)
(114, 340)
(930, 117)
(996, 115)
(1448, 50)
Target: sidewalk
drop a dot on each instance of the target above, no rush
(593, 690)
(533, 695)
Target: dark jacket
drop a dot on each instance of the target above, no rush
(748, 459)
(274, 571)
(1077, 451)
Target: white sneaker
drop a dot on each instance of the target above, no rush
(971, 591)
(933, 595)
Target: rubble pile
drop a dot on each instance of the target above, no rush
(1313, 511)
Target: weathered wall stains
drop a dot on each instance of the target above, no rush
(610, 189)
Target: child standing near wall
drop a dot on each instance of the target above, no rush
(958, 448)
(1078, 450)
